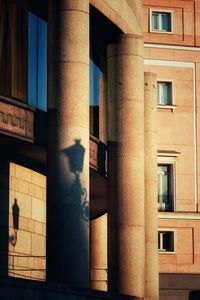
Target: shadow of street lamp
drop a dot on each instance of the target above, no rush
(15, 215)
(78, 193)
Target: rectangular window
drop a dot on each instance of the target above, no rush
(37, 62)
(164, 93)
(166, 241)
(95, 74)
(13, 49)
(161, 21)
(165, 187)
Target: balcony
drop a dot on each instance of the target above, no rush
(165, 203)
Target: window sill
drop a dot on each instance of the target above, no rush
(166, 252)
(161, 31)
(171, 107)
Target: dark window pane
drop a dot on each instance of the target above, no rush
(37, 63)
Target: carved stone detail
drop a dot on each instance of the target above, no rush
(16, 120)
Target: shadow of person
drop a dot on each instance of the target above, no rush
(15, 215)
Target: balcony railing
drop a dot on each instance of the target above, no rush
(165, 203)
(98, 156)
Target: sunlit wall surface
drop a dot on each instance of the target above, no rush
(27, 224)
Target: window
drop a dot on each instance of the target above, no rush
(23, 53)
(166, 241)
(161, 21)
(164, 93)
(13, 50)
(95, 74)
(165, 187)
(37, 62)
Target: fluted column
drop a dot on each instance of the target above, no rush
(126, 236)
(68, 145)
(151, 226)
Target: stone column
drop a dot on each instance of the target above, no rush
(102, 109)
(99, 253)
(151, 195)
(126, 238)
(68, 144)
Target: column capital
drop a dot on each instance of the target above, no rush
(65, 5)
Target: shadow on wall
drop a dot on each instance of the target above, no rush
(78, 194)
(4, 217)
(15, 215)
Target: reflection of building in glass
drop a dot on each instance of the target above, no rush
(99, 174)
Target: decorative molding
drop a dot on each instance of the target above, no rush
(174, 47)
(16, 121)
(98, 156)
(93, 154)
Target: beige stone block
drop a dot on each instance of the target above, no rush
(14, 184)
(44, 195)
(185, 187)
(44, 229)
(21, 262)
(197, 242)
(184, 165)
(184, 205)
(37, 275)
(184, 259)
(184, 123)
(38, 210)
(39, 263)
(166, 258)
(38, 192)
(167, 268)
(38, 179)
(38, 228)
(30, 262)
(184, 243)
(165, 121)
(23, 223)
(38, 245)
(23, 244)
(31, 225)
(19, 273)
(31, 189)
(23, 186)
(12, 169)
(23, 173)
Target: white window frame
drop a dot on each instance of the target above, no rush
(161, 231)
(164, 160)
(171, 87)
(160, 11)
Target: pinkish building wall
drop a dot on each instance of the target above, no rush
(168, 55)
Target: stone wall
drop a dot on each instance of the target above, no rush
(23, 207)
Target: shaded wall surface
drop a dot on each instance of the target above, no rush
(179, 286)
(20, 289)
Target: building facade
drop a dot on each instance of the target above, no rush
(99, 177)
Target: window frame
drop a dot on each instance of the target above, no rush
(162, 231)
(160, 12)
(170, 84)
(169, 161)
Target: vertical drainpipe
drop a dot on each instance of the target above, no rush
(195, 143)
